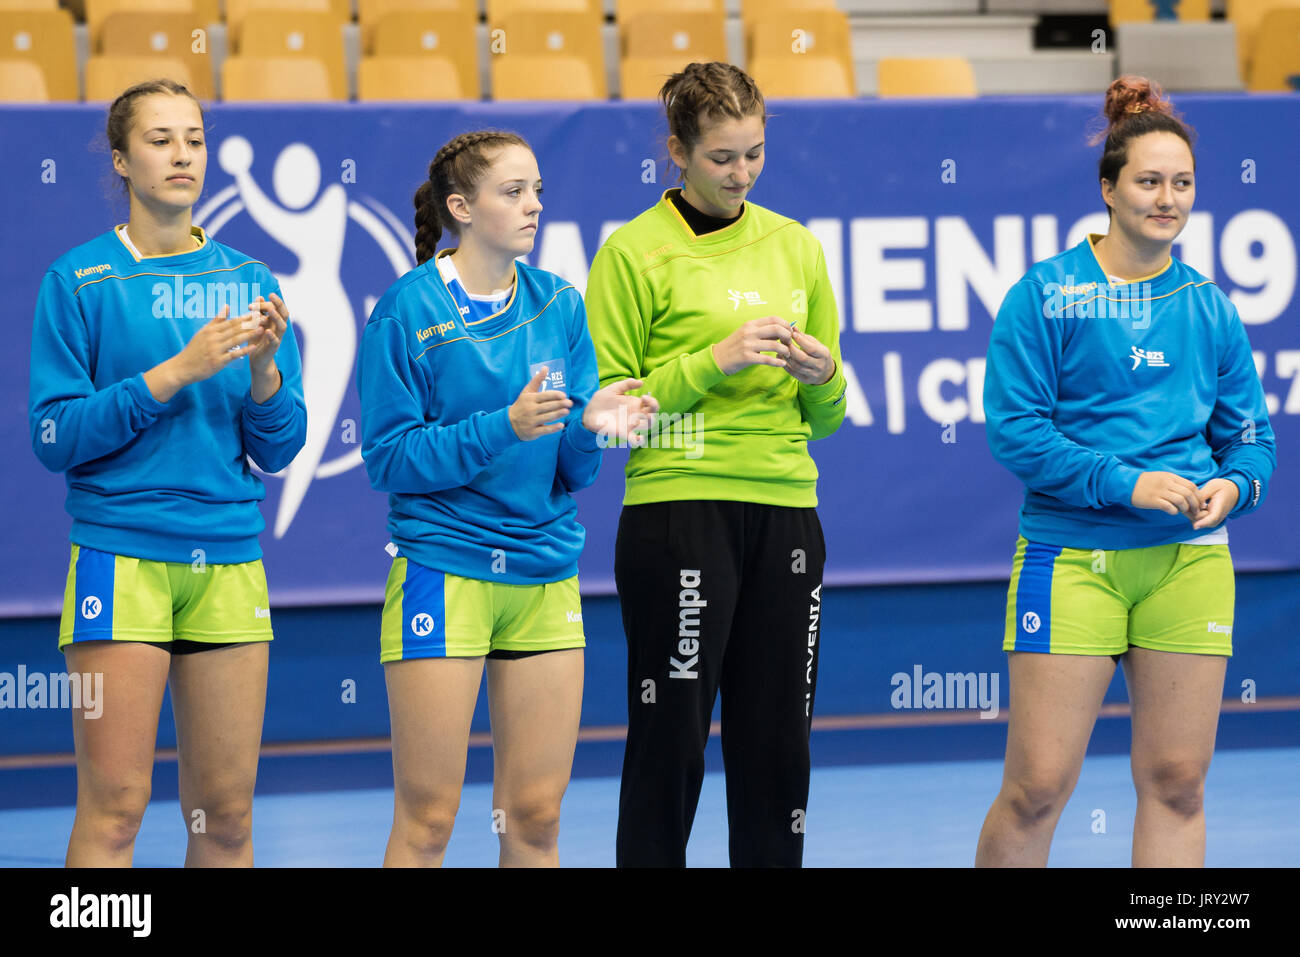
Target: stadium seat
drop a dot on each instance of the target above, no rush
(926, 76)
(1275, 62)
(641, 77)
(409, 78)
(275, 79)
(1246, 16)
(628, 10)
(372, 12)
(282, 33)
(499, 11)
(753, 10)
(140, 33)
(45, 38)
(1182, 56)
(521, 76)
(98, 11)
(22, 81)
(806, 76)
(539, 33)
(238, 11)
(28, 5)
(1144, 11)
(798, 34)
(419, 33)
(107, 76)
(697, 36)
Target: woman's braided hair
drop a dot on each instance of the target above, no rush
(456, 168)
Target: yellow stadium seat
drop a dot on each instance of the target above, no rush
(499, 11)
(275, 79)
(641, 77)
(751, 10)
(28, 5)
(409, 78)
(520, 76)
(107, 76)
(801, 77)
(284, 33)
(798, 34)
(371, 12)
(628, 10)
(419, 33)
(1245, 16)
(1276, 58)
(22, 81)
(97, 11)
(1144, 11)
(559, 34)
(45, 38)
(139, 33)
(926, 76)
(237, 10)
(698, 36)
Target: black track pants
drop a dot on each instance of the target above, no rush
(718, 596)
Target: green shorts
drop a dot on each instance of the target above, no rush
(431, 614)
(1074, 601)
(120, 598)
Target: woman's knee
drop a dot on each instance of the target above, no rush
(1037, 795)
(425, 823)
(1177, 784)
(532, 818)
(112, 813)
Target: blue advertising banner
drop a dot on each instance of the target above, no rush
(927, 212)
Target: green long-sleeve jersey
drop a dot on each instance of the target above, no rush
(659, 297)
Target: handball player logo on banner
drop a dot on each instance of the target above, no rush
(311, 224)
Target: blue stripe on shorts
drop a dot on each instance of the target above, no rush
(93, 618)
(1034, 598)
(424, 613)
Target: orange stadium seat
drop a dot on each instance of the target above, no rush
(98, 11)
(1246, 15)
(926, 76)
(139, 33)
(499, 11)
(540, 33)
(371, 12)
(752, 10)
(409, 78)
(45, 38)
(641, 77)
(22, 81)
(288, 34)
(522, 76)
(802, 77)
(28, 5)
(237, 12)
(107, 76)
(798, 35)
(1144, 11)
(452, 37)
(275, 79)
(697, 36)
(1275, 63)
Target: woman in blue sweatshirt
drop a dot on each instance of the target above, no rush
(1120, 389)
(480, 416)
(161, 362)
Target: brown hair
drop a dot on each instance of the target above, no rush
(122, 113)
(1135, 106)
(456, 168)
(711, 91)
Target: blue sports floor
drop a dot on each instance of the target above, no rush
(879, 815)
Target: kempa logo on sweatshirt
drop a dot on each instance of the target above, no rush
(261, 612)
(429, 332)
(573, 616)
(689, 604)
(92, 270)
(1214, 627)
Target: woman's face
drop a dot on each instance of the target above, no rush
(722, 169)
(504, 213)
(1155, 190)
(166, 156)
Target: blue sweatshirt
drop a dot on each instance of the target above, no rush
(1090, 384)
(466, 495)
(150, 479)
